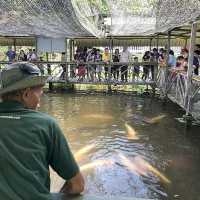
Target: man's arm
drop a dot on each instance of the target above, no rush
(74, 186)
(62, 161)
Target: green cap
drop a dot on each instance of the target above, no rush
(19, 76)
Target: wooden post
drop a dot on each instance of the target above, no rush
(190, 69)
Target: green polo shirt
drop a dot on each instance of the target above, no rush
(30, 142)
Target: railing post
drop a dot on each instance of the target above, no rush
(155, 71)
(49, 71)
(109, 78)
(190, 69)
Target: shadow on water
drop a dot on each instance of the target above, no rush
(162, 163)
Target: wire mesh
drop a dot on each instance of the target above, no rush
(77, 18)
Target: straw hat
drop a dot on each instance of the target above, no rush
(19, 76)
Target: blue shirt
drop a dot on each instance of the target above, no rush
(172, 61)
(11, 55)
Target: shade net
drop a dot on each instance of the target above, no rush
(50, 18)
(135, 17)
(79, 18)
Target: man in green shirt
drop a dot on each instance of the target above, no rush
(31, 141)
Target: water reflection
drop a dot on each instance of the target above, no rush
(161, 162)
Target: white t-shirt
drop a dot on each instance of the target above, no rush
(29, 56)
(33, 56)
(125, 56)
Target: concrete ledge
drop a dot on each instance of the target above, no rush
(92, 197)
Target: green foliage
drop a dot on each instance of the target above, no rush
(100, 5)
(3, 51)
(136, 7)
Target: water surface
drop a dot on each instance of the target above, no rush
(164, 143)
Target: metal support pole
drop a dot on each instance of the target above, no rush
(111, 48)
(66, 54)
(190, 69)
(73, 49)
(36, 46)
(156, 66)
(70, 58)
(168, 45)
(70, 50)
(49, 71)
(150, 44)
(14, 44)
(185, 45)
(166, 68)
(157, 41)
(110, 63)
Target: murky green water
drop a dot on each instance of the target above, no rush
(163, 142)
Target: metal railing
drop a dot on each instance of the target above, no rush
(98, 72)
(173, 85)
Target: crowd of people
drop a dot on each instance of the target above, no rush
(120, 70)
(94, 71)
(181, 62)
(175, 64)
(22, 56)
